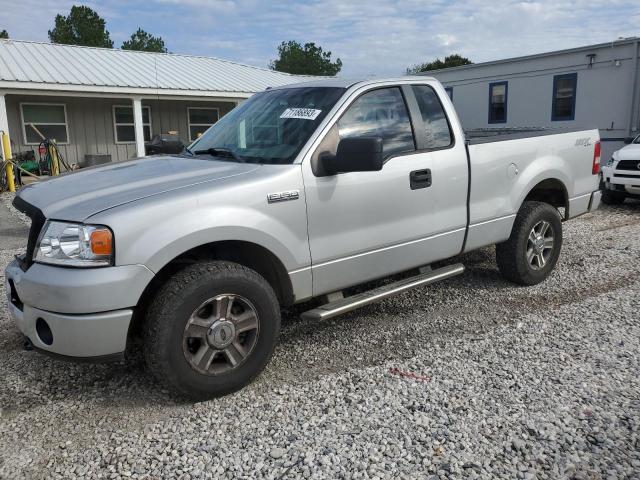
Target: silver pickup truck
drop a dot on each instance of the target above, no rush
(300, 192)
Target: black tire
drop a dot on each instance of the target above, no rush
(612, 198)
(181, 296)
(512, 255)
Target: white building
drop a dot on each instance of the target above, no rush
(597, 86)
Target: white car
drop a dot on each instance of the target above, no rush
(621, 175)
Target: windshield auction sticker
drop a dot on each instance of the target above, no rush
(302, 113)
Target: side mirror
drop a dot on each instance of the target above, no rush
(628, 140)
(355, 154)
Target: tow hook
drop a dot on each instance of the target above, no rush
(27, 344)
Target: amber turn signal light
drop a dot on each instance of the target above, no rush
(101, 242)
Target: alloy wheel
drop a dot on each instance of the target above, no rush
(540, 244)
(220, 334)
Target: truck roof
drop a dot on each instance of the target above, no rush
(350, 82)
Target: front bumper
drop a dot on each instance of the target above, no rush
(78, 336)
(625, 181)
(38, 296)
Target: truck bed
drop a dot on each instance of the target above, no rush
(506, 166)
(489, 135)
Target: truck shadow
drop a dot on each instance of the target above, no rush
(630, 205)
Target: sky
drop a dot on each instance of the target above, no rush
(372, 37)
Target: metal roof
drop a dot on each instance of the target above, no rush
(45, 66)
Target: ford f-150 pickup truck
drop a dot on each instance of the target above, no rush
(299, 192)
(620, 177)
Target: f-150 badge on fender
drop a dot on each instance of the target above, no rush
(283, 196)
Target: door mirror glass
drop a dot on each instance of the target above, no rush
(628, 140)
(354, 154)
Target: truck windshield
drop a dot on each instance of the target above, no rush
(270, 127)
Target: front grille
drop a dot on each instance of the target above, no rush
(37, 222)
(628, 165)
(624, 175)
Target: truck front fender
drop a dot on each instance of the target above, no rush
(167, 238)
(153, 235)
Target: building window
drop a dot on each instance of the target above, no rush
(123, 125)
(200, 119)
(434, 120)
(564, 97)
(498, 102)
(449, 91)
(50, 120)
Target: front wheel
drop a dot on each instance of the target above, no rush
(533, 249)
(211, 329)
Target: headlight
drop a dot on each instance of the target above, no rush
(74, 245)
(611, 160)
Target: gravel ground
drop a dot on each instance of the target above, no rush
(505, 382)
(5, 200)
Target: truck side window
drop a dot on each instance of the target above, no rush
(380, 113)
(438, 133)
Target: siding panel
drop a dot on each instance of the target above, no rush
(603, 93)
(90, 123)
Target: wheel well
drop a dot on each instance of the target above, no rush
(248, 254)
(551, 191)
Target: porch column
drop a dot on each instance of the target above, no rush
(4, 119)
(137, 126)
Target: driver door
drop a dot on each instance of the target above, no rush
(366, 225)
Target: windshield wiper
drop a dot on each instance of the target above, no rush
(220, 152)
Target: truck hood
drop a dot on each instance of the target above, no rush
(630, 152)
(78, 195)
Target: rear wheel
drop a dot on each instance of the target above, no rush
(612, 198)
(211, 329)
(533, 249)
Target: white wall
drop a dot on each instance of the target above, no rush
(603, 93)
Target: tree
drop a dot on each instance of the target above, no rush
(4, 34)
(144, 42)
(454, 60)
(307, 60)
(83, 26)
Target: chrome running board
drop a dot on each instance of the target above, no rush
(344, 305)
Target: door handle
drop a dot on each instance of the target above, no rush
(420, 179)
